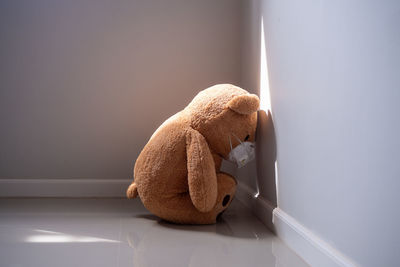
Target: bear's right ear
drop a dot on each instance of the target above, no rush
(244, 104)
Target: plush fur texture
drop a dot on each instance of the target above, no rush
(177, 173)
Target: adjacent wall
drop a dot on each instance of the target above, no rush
(334, 78)
(83, 84)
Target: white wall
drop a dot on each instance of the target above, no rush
(334, 69)
(84, 84)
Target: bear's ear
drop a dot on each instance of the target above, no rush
(244, 104)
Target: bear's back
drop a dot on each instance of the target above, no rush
(161, 166)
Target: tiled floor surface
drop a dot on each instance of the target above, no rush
(119, 232)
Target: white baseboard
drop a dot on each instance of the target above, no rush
(63, 187)
(314, 250)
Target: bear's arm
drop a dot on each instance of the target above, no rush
(202, 177)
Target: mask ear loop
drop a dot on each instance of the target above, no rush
(236, 137)
(230, 141)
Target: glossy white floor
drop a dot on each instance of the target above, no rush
(119, 232)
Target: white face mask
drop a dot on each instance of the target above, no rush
(242, 154)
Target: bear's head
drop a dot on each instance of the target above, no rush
(224, 114)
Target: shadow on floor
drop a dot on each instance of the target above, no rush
(237, 222)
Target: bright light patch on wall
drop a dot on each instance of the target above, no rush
(265, 98)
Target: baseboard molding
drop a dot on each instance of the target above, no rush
(314, 250)
(63, 187)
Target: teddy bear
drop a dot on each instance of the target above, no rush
(177, 174)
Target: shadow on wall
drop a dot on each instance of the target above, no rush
(255, 76)
(266, 158)
(265, 135)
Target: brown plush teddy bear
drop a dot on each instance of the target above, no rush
(177, 173)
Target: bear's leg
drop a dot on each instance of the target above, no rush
(180, 209)
(226, 191)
